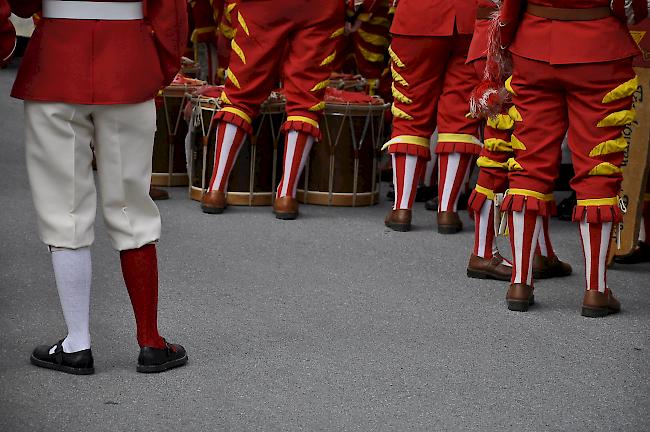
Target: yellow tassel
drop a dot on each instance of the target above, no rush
(318, 107)
(514, 114)
(509, 86)
(231, 76)
(516, 144)
(605, 169)
(371, 56)
(609, 146)
(397, 77)
(329, 59)
(618, 118)
(373, 39)
(513, 165)
(395, 58)
(237, 49)
(501, 122)
(497, 145)
(399, 113)
(337, 33)
(624, 90)
(321, 85)
(400, 96)
(242, 23)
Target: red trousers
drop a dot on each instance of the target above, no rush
(431, 87)
(292, 40)
(593, 102)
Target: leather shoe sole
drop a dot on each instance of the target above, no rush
(521, 305)
(449, 229)
(286, 216)
(401, 227)
(61, 368)
(212, 210)
(597, 312)
(480, 274)
(163, 366)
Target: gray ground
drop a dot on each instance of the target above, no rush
(331, 322)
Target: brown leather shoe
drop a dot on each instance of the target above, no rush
(545, 267)
(640, 254)
(399, 220)
(158, 194)
(214, 202)
(488, 268)
(285, 208)
(449, 222)
(520, 297)
(597, 305)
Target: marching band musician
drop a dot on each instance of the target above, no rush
(431, 86)
(7, 34)
(120, 54)
(572, 69)
(485, 260)
(296, 40)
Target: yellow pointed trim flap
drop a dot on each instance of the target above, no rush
(231, 76)
(304, 119)
(605, 169)
(458, 138)
(497, 145)
(609, 146)
(237, 49)
(516, 143)
(514, 114)
(486, 162)
(485, 191)
(318, 107)
(598, 202)
(531, 193)
(238, 113)
(242, 23)
(338, 32)
(513, 165)
(397, 77)
(364, 17)
(400, 96)
(399, 113)
(501, 122)
(380, 21)
(509, 86)
(407, 139)
(373, 39)
(229, 9)
(329, 59)
(320, 86)
(227, 31)
(624, 90)
(224, 98)
(618, 118)
(372, 57)
(395, 58)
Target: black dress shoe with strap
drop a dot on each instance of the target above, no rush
(77, 363)
(152, 360)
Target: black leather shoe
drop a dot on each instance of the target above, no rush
(77, 363)
(153, 360)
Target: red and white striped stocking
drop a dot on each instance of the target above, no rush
(230, 139)
(296, 151)
(544, 245)
(595, 246)
(484, 230)
(453, 169)
(407, 171)
(524, 230)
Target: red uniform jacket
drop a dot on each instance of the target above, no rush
(102, 62)
(7, 33)
(572, 42)
(479, 44)
(434, 17)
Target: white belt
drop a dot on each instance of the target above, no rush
(88, 10)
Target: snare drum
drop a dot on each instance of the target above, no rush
(259, 163)
(343, 168)
(169, 162)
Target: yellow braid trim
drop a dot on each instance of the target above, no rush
(400, 96)
(242, 23)
(320, 86)
(485, 191)
(304, 119)
(237, 49)
(238, 113)
(371, 56)
(338, 32)
(407, 139)
(530, 193)
(373, 39)
(618, 118)
(231, 76)
(399, 113)
(397, 77)
(598, 202)
(318, 107)
(458, 138)
(609, 146)
(395, 58)
(624, 90)
(605, 169)
(486, 162)
(224, 98)
(329, 59)
(497, 145)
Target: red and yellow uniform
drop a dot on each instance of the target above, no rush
(580, 80)
(431, 87)
(7, 33)
(292, 40)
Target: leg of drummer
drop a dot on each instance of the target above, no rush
(417, 85)
(546, 263)
(307, 68)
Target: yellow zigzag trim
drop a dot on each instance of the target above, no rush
(321, 85)
(605, 169)
(501, 122)
(400, 96)
(237, 49)
(509, 86)
(371, 56)
(329, 59)
(514, 114)
(224, 98)
(397, 77)
(513, 165)
(516, 144)
(395, 58)
(486, 162)
(231, 76)
(337, 33)
(497, 145)
(373, 39)
(318, 107)
(618, 118)
(624, 90)
(399, 113)
(242, 23)
(609, 146)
